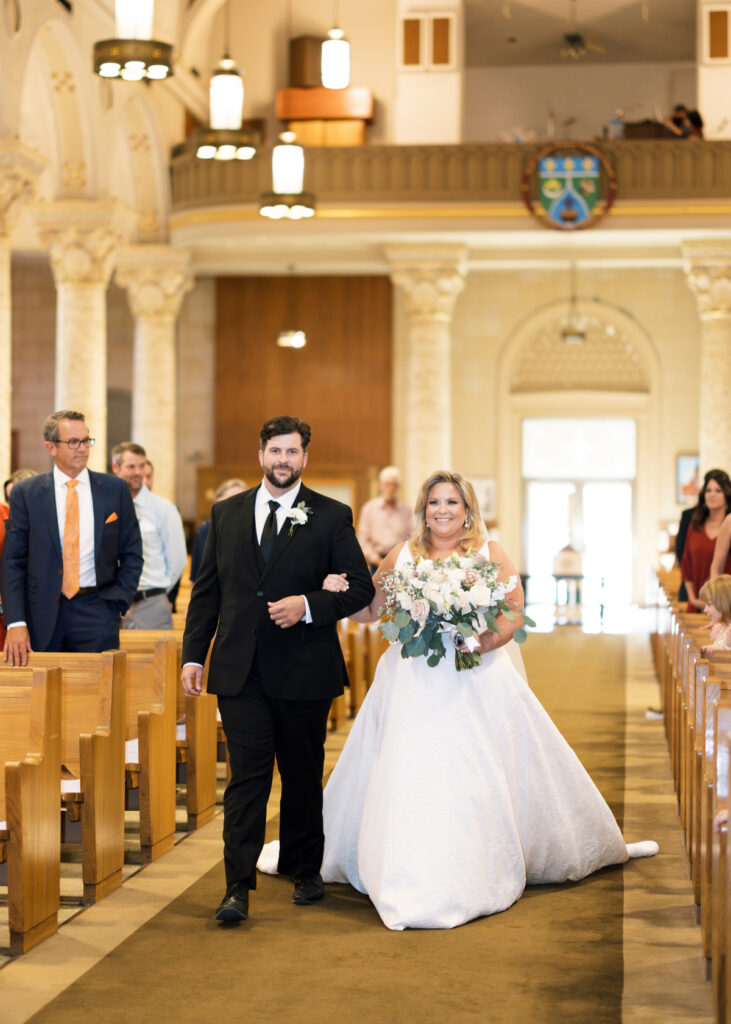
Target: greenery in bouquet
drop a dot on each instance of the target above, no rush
(458, 598)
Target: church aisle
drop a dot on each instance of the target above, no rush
(619, 946)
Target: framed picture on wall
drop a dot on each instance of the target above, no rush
(486, 491)
(687, 478)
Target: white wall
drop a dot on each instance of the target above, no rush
(500, 99)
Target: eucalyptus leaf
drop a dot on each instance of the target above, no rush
(407, 632)
(527, 620)
(417, 647)
(402, 618)
(433, 660)
(389, 631)
(520, 636)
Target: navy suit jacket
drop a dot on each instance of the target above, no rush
(32, 560)
(233, 585)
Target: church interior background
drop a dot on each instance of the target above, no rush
(142, 285)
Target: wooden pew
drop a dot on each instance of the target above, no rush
(196, 737)
(30, 778)
(717, 891)
(92, 749)
(150, 720)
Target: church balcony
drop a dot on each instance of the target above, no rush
(647, 171)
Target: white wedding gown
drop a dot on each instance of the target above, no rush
(453, 791)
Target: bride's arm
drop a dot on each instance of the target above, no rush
(490, 641)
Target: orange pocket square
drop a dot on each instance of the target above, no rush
(111, 519)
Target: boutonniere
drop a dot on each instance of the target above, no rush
(297, 516)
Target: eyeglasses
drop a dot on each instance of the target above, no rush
(74, 443)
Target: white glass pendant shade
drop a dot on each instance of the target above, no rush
(226, 96)
(292, 339)
(134, 19)
(335, 61)
(288, 166)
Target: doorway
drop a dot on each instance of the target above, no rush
(578, 491)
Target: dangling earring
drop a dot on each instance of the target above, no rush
(467, 521)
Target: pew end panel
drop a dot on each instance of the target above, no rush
(30, 755)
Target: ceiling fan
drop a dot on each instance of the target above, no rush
(575, 46)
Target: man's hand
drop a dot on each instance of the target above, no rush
(192, 680)
(288, 611)
(17, 645)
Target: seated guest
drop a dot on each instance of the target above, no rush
(163, 542)
(14, 478)
(72, 555)
(696, 125)
(678, 122)
(227, 490)
(714, 505)
(149, 477)
(685, 518)
(717, 596)
(384, 521)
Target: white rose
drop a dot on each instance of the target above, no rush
(405, 600)
(424, 565)
(420, 610)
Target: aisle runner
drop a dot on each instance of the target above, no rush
(554, 956)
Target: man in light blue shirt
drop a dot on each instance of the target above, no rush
(163, 543)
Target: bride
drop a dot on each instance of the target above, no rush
(454, 789)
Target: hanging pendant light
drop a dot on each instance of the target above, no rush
(335, 57)
(133, 54)
(335, 66)
(573, 332)
(287, 201)
(291, 336)
(225, 139)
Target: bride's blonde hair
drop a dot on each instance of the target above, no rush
(473, 535)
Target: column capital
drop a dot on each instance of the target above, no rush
(707, 264)
(156, 278)
(431, 276)
(20, 167)
(83, 237)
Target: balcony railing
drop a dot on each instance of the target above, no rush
(486, 173)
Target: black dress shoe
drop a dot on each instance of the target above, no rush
(234, 905)
(308, 889)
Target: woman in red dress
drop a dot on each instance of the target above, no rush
(713, 507)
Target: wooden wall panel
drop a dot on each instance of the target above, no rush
(340, 383)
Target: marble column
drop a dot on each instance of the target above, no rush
(20, 167)
(708, 269)
(83, 237)
(156, 278)
(430, 278)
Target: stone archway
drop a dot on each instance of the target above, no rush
(615, 372)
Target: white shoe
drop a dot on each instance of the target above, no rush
(648, 848)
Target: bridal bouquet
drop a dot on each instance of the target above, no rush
(458, 597)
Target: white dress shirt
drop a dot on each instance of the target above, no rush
(87, 566)
(261, 512)
(163, 541)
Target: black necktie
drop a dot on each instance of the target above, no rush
(269, 532)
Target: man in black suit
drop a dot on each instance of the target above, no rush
(276, 662)
(72, 554)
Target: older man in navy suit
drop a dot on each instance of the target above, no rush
(73, 552)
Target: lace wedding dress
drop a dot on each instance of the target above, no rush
(453, 791)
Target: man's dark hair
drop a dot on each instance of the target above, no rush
(50, 427)
(126, 446)
(285, 425)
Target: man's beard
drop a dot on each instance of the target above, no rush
(284, 485)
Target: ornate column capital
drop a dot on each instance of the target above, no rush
(156, 278)
(20, 167)
(707, 264)
(431, 277)
(83, 237)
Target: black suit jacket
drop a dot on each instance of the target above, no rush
(32, 561)
(233, 586)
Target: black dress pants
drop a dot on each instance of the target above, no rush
(258, 728)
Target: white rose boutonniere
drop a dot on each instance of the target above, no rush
(298, 516)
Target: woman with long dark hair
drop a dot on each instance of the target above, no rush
(714, 505)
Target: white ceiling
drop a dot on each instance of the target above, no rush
(537, 28)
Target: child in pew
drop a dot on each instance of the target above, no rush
(717, 595)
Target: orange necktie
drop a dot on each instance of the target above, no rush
(70, 584)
